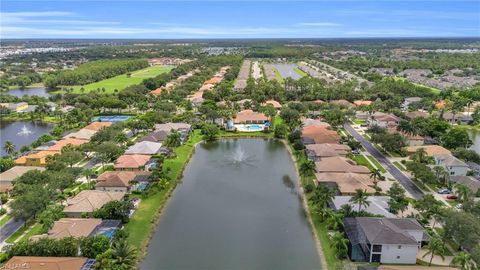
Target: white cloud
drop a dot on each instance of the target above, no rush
(318, 24)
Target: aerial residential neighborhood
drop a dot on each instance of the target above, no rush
(307, 135)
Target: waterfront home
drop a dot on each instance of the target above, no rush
(378, 205)
(47, 263)
(318, 135)
(17, 107)
(121, 181)
(7, 177)
(430, 149)
(96, 126)
(453, 165)
(457, 118)
(416, 114)
(469, 181)
(156, 136)
(347, 183)
(384, 240)
(338, 164)
(145, 148)
(132, 162)
(315, 152)
(36, 159)
(82, 134)
(58, 146)
(273, 103)
(71, 227)
(168, 127)
(88, 201)
(250, 117)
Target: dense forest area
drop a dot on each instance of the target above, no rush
(94, 71)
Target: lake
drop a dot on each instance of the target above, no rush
(288, 70)
(475, 137)
(34, 91)
(236, 208)
(11, 131)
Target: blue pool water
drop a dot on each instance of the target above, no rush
(142, 186)
(254, 127)
(108, 233)
(111, 118)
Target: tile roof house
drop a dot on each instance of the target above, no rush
(88, 201)
(51, 263)
(319, 134)
(71, 227)
(378, 205)
(343, 103)
(156, 136)
(362, 102)
(317, 151)
(175, 126)
(347, 183)
(468, 181)
(385, 121)
(430, 149)
(417, 114)
(315, 122)
(82, 134)
(120, 181)
(96, 126)
(64, 142)
(453, 165)
(384, 240)
(131, 162)
(413, 140)
(250, 117)
(144, 148)
(8, 176)
(274, 103)
(338, 164)
(35, 159)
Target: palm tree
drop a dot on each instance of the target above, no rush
(375, 174)
(123, 255)
(340, 243)
(335, 221)
(307, 168)
(361, 198)
(174, 139)
(435, 247)
(121, 138)
(420, 156)
(463, 192)
(88, 173)
(9, 148)
(322, 195)
(463, 260)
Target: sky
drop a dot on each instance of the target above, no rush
(238, 19)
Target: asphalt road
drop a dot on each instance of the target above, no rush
(394, 171)
(9, 228)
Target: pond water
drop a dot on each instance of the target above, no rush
(21, 133)
(35, 91)
(475, 137)
(287, 70)
(236, 208)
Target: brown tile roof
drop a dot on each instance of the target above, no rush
(47, 263)
(73, 227)
(249, 115)
(38, 155)
(64, 142)
(17, 171)
(339, 164)
(348, 182)
(131, 161)
(362, 102)
(84, 134)
(96, 126)
(90, 200)
(430, 149)
(320, 134)
(274, 103)
(157, 91)
(315, 122)
(416, 114)
(118, 178)
(343, 102)
(328, 149)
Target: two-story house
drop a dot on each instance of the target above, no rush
(453, 165)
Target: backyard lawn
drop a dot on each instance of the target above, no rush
(121, 81)
(362, 160)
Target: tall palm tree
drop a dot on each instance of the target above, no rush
(9, 148)
(174, 139)
(463, 192)
(307, 168)
(88, 173)
(420, 156)
(322, 195)
(435, 247)
(375, 175)
(463, 260)
(335, 221)
(361, 198)
(124, 255)
(340, 243)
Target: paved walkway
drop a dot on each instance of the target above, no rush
(406, 182)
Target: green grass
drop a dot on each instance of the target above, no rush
(278, 76)
(35, 230)
(5, 218)
(362, 160)
(359, 122)
(377, 164)
(399, 166)
(436, 91)
(299, 71)
(121, 81)
(17, 234)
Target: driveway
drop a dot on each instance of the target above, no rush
(406, 182)
(9, 228)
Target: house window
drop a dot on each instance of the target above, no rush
(377, 248)
(398, 257)
(399, 246)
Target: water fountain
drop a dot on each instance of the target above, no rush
(24, 131)
(239, 157)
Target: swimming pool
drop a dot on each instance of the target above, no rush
(111, 118)
(249, 127)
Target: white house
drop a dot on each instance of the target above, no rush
(453, 165)
(384, 240)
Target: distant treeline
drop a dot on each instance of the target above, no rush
(94, 71)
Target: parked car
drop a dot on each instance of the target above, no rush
(356, 151)
(452, 197)
(444, 191)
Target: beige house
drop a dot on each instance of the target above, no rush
(47, 263)
(8, 176)
(71, 227)
(347, 183)
(317, 151)
(120, 181)
(338, 164)
(88, 201)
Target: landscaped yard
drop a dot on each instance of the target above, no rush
(359, 122)
(121, 81)
(399, 165)
(362, 160)
(4, 219)
(376, 163)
